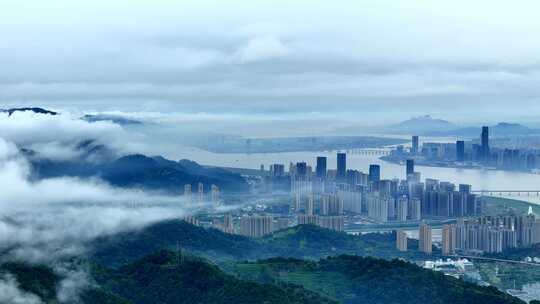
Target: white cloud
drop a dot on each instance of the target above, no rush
(56, 136)
(10, 292)
(263, 48)
(49, 219)
(169, 54)
(73, 281)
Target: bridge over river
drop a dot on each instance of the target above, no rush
(507, 193)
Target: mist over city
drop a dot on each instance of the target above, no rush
(269, 152)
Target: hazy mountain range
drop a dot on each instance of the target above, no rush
(429, 126)
(140, 171)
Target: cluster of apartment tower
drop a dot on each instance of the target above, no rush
(368, 194)
(325, 197)
(200, 196)
(489, 234)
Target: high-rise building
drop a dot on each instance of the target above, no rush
(460, 150)
(187, 192)
(352, 199)
(448, 239)
(402, 209)
(256, 226)
(494, 234)
(414, 147)
(277, 170)
(214, 193)
(192, 220)
(301, 169)
(321, 167)
(464, 188)
(377, 207)
(336, 223)
(200, 192)
(425, 242)
(374, 173)
(227, 224)
(414, 207)
(410, 167)
(310, 208)
(485, 144)
(341, 166)
(331, 204)
(401, 240)
(414, 177)
(304, 219)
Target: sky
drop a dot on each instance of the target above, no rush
(362, 61)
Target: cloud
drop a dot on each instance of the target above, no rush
(263, 48)
(10, 292)
(48, 219)
(73, 281)
(58, 136)
(259, 56)
(70, 208)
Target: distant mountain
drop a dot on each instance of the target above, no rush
(354, 279)
(138, 171)
(117, 119)
(35, 110)
(428, 126)
(420, 125)
(158, 173)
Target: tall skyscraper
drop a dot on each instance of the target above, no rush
(200, 192)
(187, 192)
(277, 170)
(485, 144)
(374, 173)
(460, 150)
(402, 209)
(301, 169)
(321, 167)
(425, 242)
(415, 209)
(331, 204)
(410, 167)
(310, 207)
(341, 166)
(464, 188)
(448, 239)
(401, 240)
(414, 147)
(214, 193)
